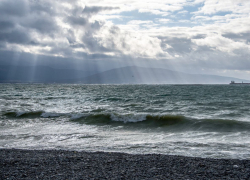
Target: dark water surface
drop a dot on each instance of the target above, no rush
(191, 120)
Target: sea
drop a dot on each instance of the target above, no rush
(209, 121)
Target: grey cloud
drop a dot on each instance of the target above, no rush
(13, 8)
(19, 18)
(92, 43)
(64, 51)
(89, 41)
(80, 16)
(77, 45)
(71, 36)
(6, 25)
(41, 7)
(90, 10)
(2, 45)
(96, 25)
(80, 21)
(238, 37)
(204, 57)
(199, 36)
(24, 17)
(44, 24)
(179, 45)
(194, 56)
(19, 36)
(94, 57)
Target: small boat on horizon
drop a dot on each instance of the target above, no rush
(232, 83)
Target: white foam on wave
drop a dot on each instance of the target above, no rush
(77, 116)
(128, 117)
(20, 113)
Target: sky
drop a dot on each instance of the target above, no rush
(192, 36)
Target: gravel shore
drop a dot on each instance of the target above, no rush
(58, 164)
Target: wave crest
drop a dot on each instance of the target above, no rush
(31, 114)
(167, 122)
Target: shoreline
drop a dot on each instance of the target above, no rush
(62, 164)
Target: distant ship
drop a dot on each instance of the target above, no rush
(232, 82)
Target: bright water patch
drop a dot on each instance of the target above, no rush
(205, 121)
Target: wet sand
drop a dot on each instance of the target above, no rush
(59, 164)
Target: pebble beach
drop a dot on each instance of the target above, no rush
(60, 164)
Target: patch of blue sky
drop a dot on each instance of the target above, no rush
(180, 18)
(176, 18)
(212, 18)
(135, 15)
(222, 13)
(183, 17)
(191, 10)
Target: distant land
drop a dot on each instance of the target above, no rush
(123, 75)
(141, 75)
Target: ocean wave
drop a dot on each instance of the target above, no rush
(51, 115)
(24, 114)
(167, 122)
(32, 114)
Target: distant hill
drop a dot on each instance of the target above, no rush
(140, 75)
(124, 75)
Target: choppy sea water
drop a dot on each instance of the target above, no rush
(190, 120)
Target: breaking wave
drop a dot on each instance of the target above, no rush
(168, 122)
(31, 114)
